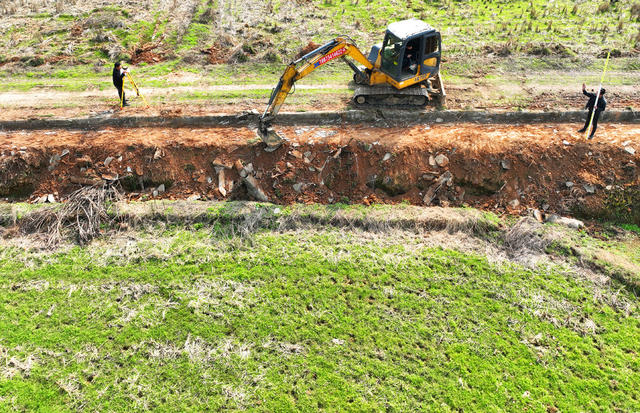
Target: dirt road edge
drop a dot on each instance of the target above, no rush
(373, 117)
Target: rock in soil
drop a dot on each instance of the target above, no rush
(444, 179)
(567, 222)
(442, 160)
(254, 189)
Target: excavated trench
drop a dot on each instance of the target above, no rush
(491, 166)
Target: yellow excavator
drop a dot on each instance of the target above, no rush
(404, 71)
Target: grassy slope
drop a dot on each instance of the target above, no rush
(190, 318)
(467, 28)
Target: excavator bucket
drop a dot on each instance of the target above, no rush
(269, 136)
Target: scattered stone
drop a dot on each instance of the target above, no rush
(276, 211)
(337, 341)
(194, 197)
(506, 164)
(108, 160)
(51, 199)
(155, 193)
(254, 189)
(158, 154)
(514, 203)
(289, 165)
(243, 173)
(120, 158)
(545, 206)
(209, 179)
(439, 120)
(312, 169)
(442, 160)
(218, 163)
(249, 168)
(296, 154)
(161, 189)
(386, 157)
(53, 161)
(567, 222)
(589, 188)
(432, 160)
(42, 199)
(444, 179)
(569, 184)
(630, 150)
(307, 154)
(625, 143)
(221, 182)
(324, 134)
(566, 142)
(64, 153)
(109, 176)
(129, 170)
(537, 215)
(297, 187)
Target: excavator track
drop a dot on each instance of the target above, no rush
(408, 98)
(385, 95)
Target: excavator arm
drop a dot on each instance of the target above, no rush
(340, 47)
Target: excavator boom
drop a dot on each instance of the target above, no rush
(340, 47)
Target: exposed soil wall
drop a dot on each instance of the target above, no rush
(549, 167)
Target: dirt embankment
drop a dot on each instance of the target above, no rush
(488, 166)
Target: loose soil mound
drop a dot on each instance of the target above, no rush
(488, 166)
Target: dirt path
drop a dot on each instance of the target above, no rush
(190, 100)
(488, 166)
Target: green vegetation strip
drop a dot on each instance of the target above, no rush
(227, 313)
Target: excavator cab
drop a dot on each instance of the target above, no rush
(410, 48)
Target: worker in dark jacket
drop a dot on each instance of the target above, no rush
(599, 107)
(118, 75)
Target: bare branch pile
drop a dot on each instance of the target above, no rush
(82, 216)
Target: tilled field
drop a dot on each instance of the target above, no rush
(514, 167)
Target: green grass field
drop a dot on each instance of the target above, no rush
(319, 308)
(283, 27)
